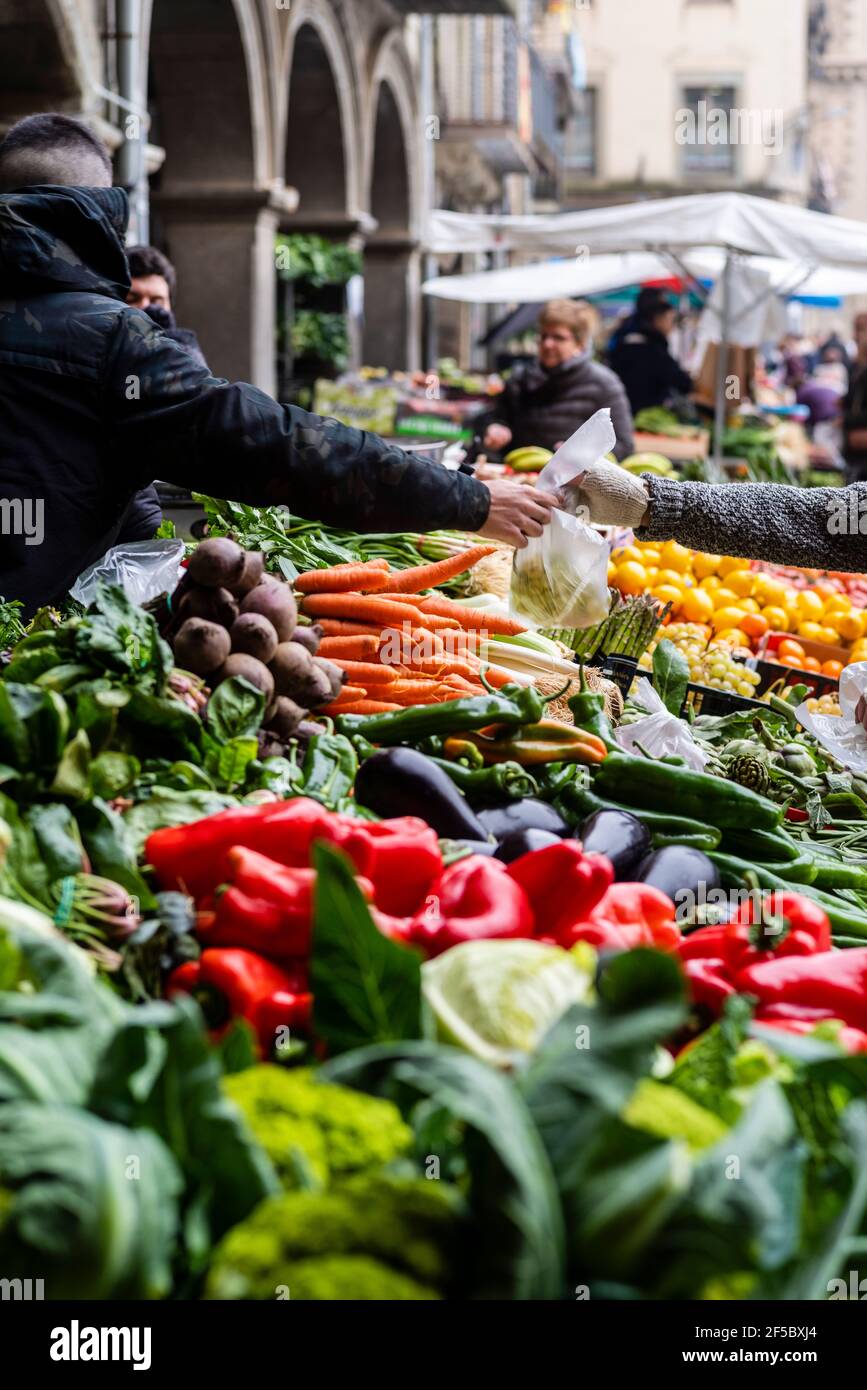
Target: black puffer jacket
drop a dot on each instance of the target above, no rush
(640, 356)
(545, 407)
(95, 399)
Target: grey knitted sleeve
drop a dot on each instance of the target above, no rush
(816, 528)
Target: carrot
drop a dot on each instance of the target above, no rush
(369, 608)
(432, 694)
(360, 707)
(350, 648)
(471, 617)
(427, 576)
(337, 627)
(367, 672)
(372, 574)
(349, 694)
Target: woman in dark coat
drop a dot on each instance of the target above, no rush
(546, 402)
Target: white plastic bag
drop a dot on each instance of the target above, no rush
(561, 578)
(143, 569)
(661, 734)
(842, 735)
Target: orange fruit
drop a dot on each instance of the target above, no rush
(676, 557)
(811, 663)
(697, 606)
(754, 625)
(810, 631)
(704, 565)
(777, 617)
(791, 653)
(727, 617)
(833, 669)
(741, 582)
(729, 563)
(825, 589)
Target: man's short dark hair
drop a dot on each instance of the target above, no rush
(53, 149)
(147, 260)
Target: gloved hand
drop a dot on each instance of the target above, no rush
(609, 496)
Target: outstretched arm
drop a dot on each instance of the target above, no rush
(818, 528)
(171, 417)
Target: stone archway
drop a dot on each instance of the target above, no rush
(211, 199)
(48, 53)
(391, 253)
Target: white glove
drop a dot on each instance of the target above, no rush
(609, 496)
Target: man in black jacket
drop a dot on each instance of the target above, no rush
(94, 398)
(639, 354)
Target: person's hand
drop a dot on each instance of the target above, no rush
(609, 496)
(518, 512)
(497, 436)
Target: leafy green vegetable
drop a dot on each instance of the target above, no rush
(235, 710)
(166, 806)
(670, 675)
(88, 1206)
(365, 987)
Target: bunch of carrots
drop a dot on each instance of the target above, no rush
(361, 607)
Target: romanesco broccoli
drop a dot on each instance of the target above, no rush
(316, 1129)
(374, 1237)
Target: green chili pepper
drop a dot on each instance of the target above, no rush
(694, 795)
(575, 803)
(771, 847)
(588, 711)
(513, 706)
(490, 783)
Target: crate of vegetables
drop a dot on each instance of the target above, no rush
(817, 665)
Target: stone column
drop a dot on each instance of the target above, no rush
(222, 244)
(391, 301)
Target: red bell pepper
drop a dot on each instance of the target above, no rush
(832, 980)
(709, 982)
(400, 856)
(243, 984)
(266, 908)
(787, 924)
(852, 1040)
(563, 885)
(476, 899)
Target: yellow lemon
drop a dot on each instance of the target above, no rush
(724, 598)
(627, 554)
(726, 618)
(652, 572)
(850, 626)
(650, 555)
(741, 582)
(667, 593)
(612, 573)
(704, 564)
(810, 606)
(811, 631)
(710, 582)
(732, 636)
(769, 590)
(669, 576)
(837, 603)
(749, 605)
(676, 557)
(778, 618)
(828, 635)
(729, 563)
(697, 606)
(631, 578)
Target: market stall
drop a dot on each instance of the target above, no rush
(408, 958)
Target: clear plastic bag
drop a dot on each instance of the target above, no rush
(561, 578)
(143, 569)
(841, 734)
(661, 734)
